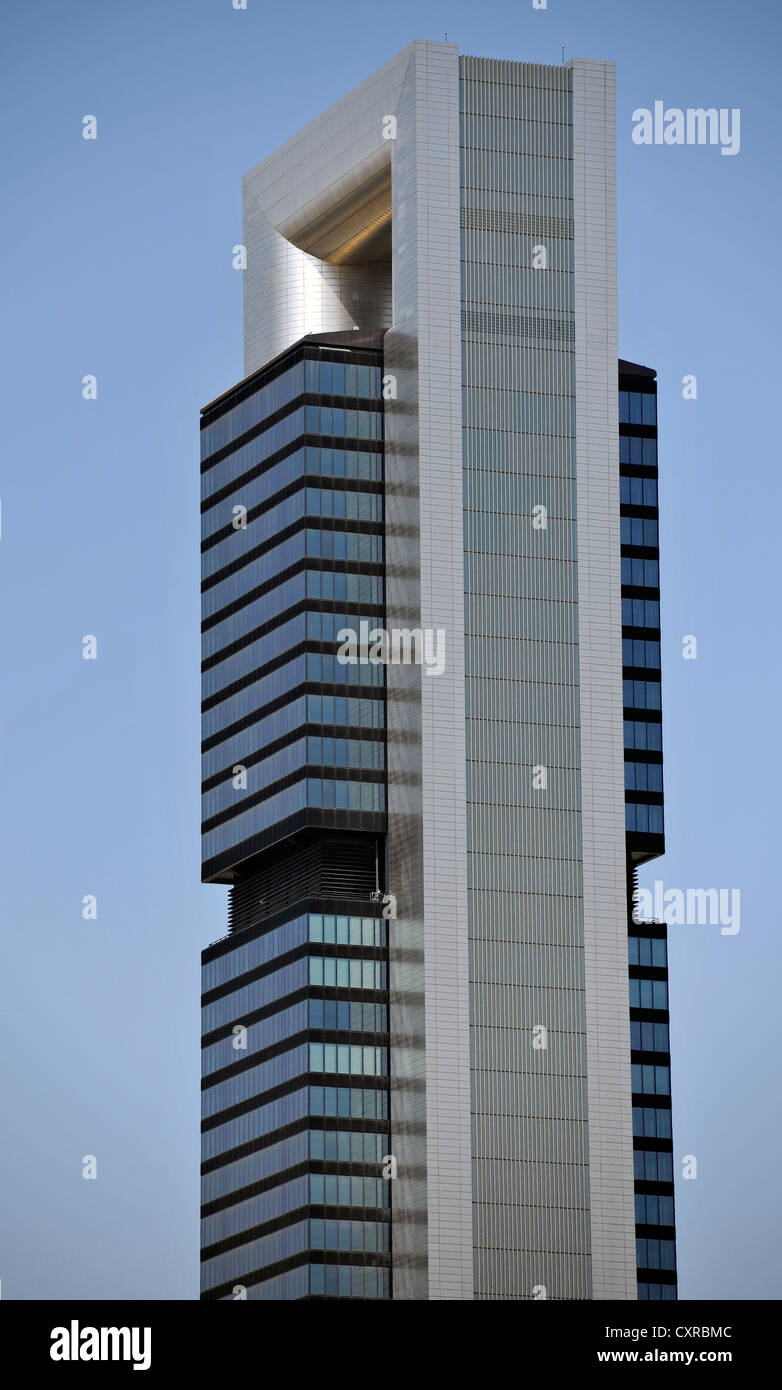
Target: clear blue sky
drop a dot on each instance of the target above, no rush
(117, 261)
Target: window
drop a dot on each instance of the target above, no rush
(637, 453)
(346, 1191)
(647, 736)
(650, 1123)
(648, 994)
(643, 777)
(351, 1060)
(652, 1166)
(637, 530)
(636, 408)
(637, 652)
(333, 972)
(649, 1079)
(641, 694)
(638, 492)
(649, 1037)
(347, 931)
(643, 819)
(640, 612)
(642, 574)
(652, 1210)
(655, 1254)
(647, 950)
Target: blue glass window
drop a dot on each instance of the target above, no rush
(643, 777)
(645, 820)
(642, 735)
(651, 1165)
(649, 1037)
(648, 1079)
(647, 950)
(648, 994)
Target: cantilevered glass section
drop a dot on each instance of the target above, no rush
(292, 553)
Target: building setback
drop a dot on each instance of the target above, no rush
(422, 1078)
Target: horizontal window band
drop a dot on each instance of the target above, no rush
(338, 907)
(222, 867)
(286, 1088)
(305, 480)
(372, 611)
(309, 1211)
(642, 755)
(302, 441)
(248, 387)
(330, 1168)
(354, 1038)
(247, 436)
(321, 772)
(359, 732)
(326, 949)
(317, 563)
(331, 402)
(308, 645)
(328, 688)
(304, 523)
(254, 1059)
(366, 1259)
(641, 634)
(634, 798)
(338, 994)
(327, 1123)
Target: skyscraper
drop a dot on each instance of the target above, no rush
(419, 1076)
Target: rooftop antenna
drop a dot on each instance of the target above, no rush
(445, 36)
(563, 53)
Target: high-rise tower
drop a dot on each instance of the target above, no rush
(419, 1080)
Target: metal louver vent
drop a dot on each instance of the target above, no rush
(337, 867)
(542, 326)
(521, 223)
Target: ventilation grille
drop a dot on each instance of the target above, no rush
(522, 223)
(543, 327)
(332, 867)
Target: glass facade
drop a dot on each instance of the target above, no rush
(292, 533)
(647, 947)
(295, 1114)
